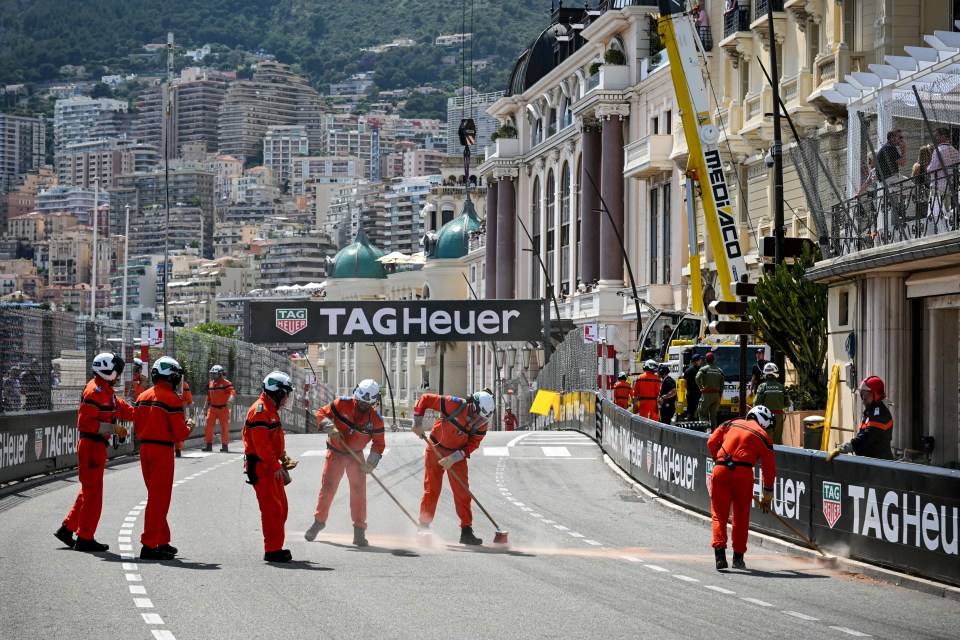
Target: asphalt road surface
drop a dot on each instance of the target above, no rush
(588, 558)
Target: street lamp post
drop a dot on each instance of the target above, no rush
(123, 305)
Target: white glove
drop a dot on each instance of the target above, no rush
(107, 429)
(330, 429)
(846, 447)
(373, 459)
(452, 459)
(417, 427)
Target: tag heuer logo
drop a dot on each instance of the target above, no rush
(831, 502)
(290, 321)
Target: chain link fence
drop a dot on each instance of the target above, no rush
(45, 358)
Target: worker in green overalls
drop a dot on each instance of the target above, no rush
(773, 395)
(710, 381)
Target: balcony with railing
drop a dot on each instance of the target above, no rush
(760, 24)
(736, 21)
(902, 212)
(648, 156)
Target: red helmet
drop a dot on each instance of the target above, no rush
(875, 385)
(710, 357)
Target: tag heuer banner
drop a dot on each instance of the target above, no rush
(395, 321)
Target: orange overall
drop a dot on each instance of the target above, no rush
(451, 432)
(746, 443)
(357, 429)
(98, 404)
(187, 397)
(138, 386)
(646, 389)
(510, 422)
(621, 394)
(159, 423)
(219, 391)
(263, 444)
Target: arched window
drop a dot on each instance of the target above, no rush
(565, 198)
(447, 214)
(551, 220)
(536, 232)
(567, 107)
(551, 122)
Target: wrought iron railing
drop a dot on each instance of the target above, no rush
(903, 210)
(766, 6)
(737, 20)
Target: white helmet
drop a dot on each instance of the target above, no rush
(650, 365)
(367, 391)
(484, 403)
(137, 364)
(276, 381)
(762, 416)
(107, 365)
(770, 369)
(166, 368)
(217, 369)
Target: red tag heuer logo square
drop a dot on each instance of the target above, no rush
(291, 321)
(831, 502)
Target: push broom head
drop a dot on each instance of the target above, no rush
(501, 537)
(424, 537)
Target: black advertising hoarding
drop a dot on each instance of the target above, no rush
(395, 321)
(892, 513)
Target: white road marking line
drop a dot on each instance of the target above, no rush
(514, 442)
(556, 452)
(138, 588)
(152, 618)
(123, 539)
(525, 509)
(685, 578)
(129, 566)
(134, 514)
(496, 451)
(144, 503)
(757, 602)
(574, 534)
(852, 632)
(126, 547)
(719, 589)
(631, 558)
(178, 482)
(164, 635)
(130, 519)
(134, 577)
(561, 527)
(594, 543)
(143, 603)
(549, 522)
(126, 556)
(802, 616)
(535, 514)
(654, 567)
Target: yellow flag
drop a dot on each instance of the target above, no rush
(544, 401)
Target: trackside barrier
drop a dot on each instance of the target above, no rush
(899, 515)
(37, 443)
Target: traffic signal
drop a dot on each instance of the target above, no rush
(467, 132)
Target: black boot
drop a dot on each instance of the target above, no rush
(208, 446)
(224, 449)
(359, 538)
(738, 562)
(177, 453)
(84, 544)
(156, 553)
(311, 534)
(721, 558)
(283, 555)
(467, 537)
(65, 536)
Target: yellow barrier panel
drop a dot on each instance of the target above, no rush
(831, 400)
(545, 401)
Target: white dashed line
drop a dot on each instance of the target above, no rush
(757, 602)
(657, 568)
(138, 589)
(549, 522)
(130, 519)
(129, 566)
(123, 539)
(527, 509)
(594, 543)
(164, 635)
(143, 603)
(685, 578)
(126, 547)
(631, 558)
(560, 527)
(802, 616)
(152, 618)
(852, 632)
(575, 534)
(719, 589)
(134, 577)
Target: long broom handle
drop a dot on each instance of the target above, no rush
(809, 542)
(462, 483)
(382, 486)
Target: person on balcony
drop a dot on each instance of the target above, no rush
(941, 168)
(730, 7)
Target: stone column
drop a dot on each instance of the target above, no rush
(491, 240)
(611, 189)
(590, 201)
(506, 232)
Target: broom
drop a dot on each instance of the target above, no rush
(824, 559)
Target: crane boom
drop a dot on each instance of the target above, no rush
(680, 41)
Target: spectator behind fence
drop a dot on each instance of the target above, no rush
(945, 156)
(920, 198)
(870, 182)
(891, 156)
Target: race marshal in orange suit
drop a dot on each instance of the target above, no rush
(159, 424)
(350, 422)
(220, 395)
(100, 408)
(455, 434)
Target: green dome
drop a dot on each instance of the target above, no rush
(358, 260)
(454, 237)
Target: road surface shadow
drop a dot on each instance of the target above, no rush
(301, 565)
(787, 574)
(176, 563)
(400, 553)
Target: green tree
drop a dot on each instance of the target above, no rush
(216, 329)
(790, 314)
